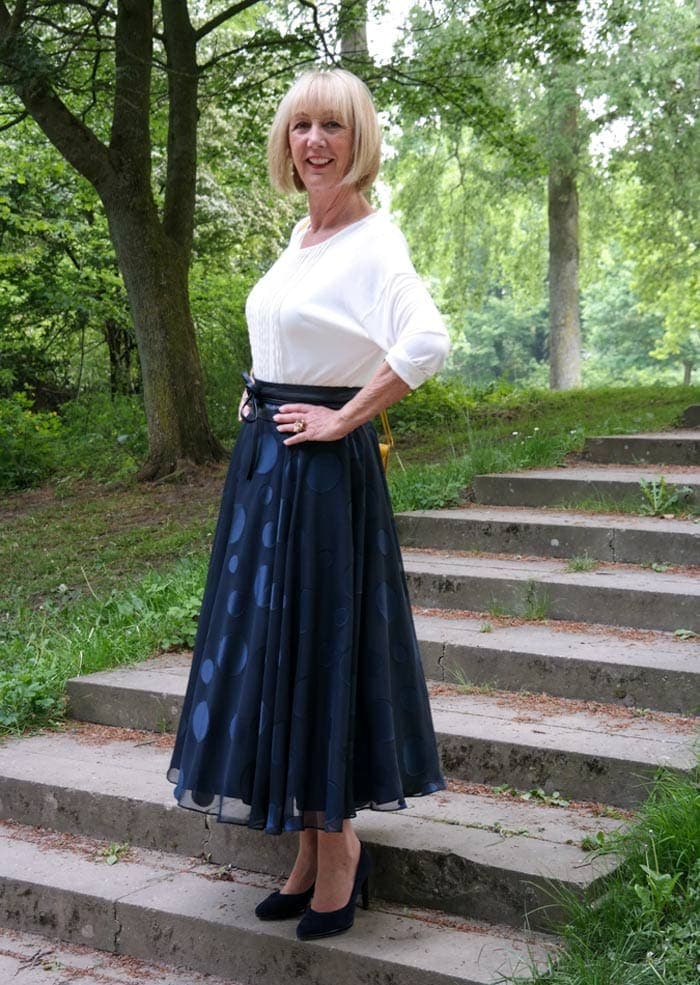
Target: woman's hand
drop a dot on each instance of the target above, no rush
(320, 423)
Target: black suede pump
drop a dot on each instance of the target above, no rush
(282, 906)
(314, 924)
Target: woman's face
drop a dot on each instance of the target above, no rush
(321, 148)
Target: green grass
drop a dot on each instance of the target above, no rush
(581, 562)
(41, 648)
(94, 573)
(643, 927)
(446, 435)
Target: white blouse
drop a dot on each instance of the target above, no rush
(328, 314)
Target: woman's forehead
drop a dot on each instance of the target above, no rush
(316, 109)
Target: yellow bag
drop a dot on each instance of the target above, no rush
(388, 443)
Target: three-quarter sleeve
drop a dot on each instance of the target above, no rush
(415, 329)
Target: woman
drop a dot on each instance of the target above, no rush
(306, 699)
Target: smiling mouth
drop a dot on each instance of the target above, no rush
(319, 161)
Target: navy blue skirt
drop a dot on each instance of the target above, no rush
(306, 699)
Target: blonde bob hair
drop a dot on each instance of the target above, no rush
(345, 97)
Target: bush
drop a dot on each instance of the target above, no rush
(103, 438)
(27, 442)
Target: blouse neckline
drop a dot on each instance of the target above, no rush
(325, 242)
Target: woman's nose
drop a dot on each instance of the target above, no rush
(316, 134)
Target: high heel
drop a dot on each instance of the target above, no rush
(314, 924)
(282, 906)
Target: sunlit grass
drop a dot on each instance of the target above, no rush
(643, 927)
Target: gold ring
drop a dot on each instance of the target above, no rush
(299, 426)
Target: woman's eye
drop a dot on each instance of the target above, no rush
(333, 125)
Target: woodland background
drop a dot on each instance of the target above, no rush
(541, 158)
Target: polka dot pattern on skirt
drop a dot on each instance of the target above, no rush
(306, 699)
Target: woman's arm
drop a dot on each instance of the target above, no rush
(323, 424)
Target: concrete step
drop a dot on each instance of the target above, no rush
(476, 856)
(534, 588)
(574, 484)
(188, 913)
(30, 959)
(680, 447)
(587, 753)
(553, 533)
(657, 670)
(594, 755)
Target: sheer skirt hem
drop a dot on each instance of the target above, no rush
(233, 810)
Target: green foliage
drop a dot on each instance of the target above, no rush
(536, 603)
(102, 437)
(467, 178)
(660, 496)
(643, 927)
(59, 284)
(499, 428)
(581, 562)
(27, 442)
(114, 852)
(42, 649)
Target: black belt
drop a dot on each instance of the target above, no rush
(262, 395)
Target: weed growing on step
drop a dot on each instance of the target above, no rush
(607, 810)
(595, 843)
(497, 610)
(486, 627)
(465, 686)
(660, 497)
(685, 634)
(553, 799)
(581, 562)
(114, 852)
(537, 602)
(643, 925)
(536, 794)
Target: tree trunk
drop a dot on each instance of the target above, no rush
(564, 319)
(352, 33)
(120, 346)
(153, 255)
(155, 275)
(687, 372)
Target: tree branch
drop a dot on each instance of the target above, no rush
(319, 30)
(224, 16)
(14, 121)
(78, 144)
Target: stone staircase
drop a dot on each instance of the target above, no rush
(556, 694)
